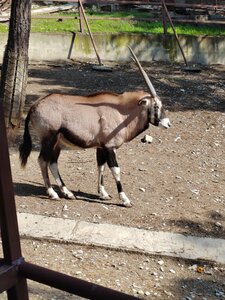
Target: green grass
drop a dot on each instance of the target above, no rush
(126, 26)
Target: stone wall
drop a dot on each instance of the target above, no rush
(57, 47)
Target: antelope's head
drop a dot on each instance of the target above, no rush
(157, 114)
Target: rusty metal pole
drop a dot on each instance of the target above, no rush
(8, 218)
(90, 33)
(69, 284)
(164, 20)
(174, 31)
(81, 18)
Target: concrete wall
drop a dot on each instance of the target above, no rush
(55, 47)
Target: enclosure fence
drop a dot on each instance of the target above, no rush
(14, 270)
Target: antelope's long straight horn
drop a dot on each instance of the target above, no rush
(144, 74)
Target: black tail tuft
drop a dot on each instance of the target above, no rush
(26, 146)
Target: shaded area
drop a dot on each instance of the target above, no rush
(179, 90)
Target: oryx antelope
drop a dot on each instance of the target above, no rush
(104, 121)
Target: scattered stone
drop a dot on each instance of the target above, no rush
(65, 208)
(160, 262)
(147, 139)
(168, 293)
(218, 224)
(177, 139)
(140, 292)
(193, 268)
(172, 271)
(195, 191)
(219, 293)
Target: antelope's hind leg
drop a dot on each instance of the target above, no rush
(101, 161)
(53, 166)
(43, 160)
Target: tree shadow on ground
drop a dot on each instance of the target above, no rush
(212, 227)
(178, 89)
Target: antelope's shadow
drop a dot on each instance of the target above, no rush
(35, 189)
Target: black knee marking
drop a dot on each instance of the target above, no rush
(112, 163)
(101, 180)
(119, 187)
(101, 156)
(111, 158)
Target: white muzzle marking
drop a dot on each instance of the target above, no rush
(165, 123)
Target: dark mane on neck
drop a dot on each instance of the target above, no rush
(102, 93)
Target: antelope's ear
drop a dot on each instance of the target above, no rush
(145, 101)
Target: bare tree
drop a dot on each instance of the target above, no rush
(15, 63)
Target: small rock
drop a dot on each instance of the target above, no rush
(193, 268)
(219, 293)
(160, 262)
(147, 139)
(172, 271)
(168, 293)
(177, 139)
(65, 208)
(140, 292)
(142, 190)
(78, 272)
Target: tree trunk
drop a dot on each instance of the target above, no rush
(15, 63)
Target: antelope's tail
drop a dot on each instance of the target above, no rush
(26, 146)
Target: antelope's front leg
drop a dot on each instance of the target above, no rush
(101, 161)
(113, 165)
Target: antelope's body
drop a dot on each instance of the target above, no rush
(104, 121)
(100, 120)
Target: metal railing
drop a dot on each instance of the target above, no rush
(14, 270)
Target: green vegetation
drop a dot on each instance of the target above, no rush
(62, 24)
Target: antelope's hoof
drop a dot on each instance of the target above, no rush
(105, 197)
(125, 199)
(55, 198)
(52, 194)
(127, 204)
(68, 194)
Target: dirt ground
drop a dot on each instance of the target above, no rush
(176, 183)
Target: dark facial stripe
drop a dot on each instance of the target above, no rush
(156, 115)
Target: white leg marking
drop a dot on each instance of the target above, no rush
(67, 193)
(116, 173)
(103, 194)
(52, 194)
(55, 172)
(101, 189)
(125, 199)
